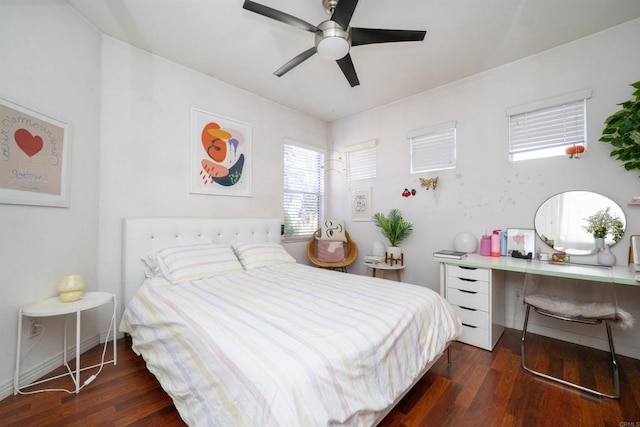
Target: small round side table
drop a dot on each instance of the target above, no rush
(54, 307)
(383, 267)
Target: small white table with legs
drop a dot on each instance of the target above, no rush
(54, 307)
(385, 267)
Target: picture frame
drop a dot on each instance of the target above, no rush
(361, 204)
(521, 241)
(634, 253)
(220, 155)
(34, 157)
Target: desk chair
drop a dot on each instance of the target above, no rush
(590, 303)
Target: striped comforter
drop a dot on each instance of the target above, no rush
(287, 345)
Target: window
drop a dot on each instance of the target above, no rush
(546, 128)
(303, 191)
(433, 148)
(361, 161)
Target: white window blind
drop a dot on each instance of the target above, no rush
(546, 128)
(303, 191)
(361, 161)
(433, 148)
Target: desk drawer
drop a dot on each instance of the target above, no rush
(473, 317)
(475, 336)
(471, 285)
(468, 272)
(468, 299)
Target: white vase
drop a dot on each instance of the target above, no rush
(606, 257)
(394, 251)
(377, 249)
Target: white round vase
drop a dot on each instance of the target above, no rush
(606, 257)
(394, 251)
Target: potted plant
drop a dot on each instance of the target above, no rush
(622, 131)
(394, 228)
(603, 223)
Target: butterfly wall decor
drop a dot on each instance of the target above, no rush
(430, 183)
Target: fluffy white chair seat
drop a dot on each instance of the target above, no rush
(584, 309)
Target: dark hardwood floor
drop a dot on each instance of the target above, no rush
(478, 388)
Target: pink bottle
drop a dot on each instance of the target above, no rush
(485, 245)
(495, 243)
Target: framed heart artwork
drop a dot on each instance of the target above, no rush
(34, 157)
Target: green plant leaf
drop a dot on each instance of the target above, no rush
(393, 226)
(614, 120)
(618, 143)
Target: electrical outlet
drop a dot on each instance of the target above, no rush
(518, 293)
(35, 329)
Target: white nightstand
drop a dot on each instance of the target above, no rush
(54, 307)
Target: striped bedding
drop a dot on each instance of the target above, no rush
(287, 345)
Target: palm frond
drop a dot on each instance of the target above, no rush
(393, 226)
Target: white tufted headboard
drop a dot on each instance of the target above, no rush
(141, 235)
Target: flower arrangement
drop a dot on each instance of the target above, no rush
(393, 226)
(603, 223)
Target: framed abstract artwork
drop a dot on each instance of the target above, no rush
(361, 204)
(34, 157)
(220, 162)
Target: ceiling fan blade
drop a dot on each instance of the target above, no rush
(361, 36)
(295, 62)
(349, 71)
(343, 12)
(278, 16)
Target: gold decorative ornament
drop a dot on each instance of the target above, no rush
(429, 183)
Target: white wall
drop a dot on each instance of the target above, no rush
(129, 116)
(485, 191)
(49, 62)
(144, 153)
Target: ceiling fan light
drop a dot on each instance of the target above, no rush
(333, 48)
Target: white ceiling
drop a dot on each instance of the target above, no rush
(221, 39)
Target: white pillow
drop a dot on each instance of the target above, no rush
(150, 260)
(198, 261)
(255, 255)
(333, 230)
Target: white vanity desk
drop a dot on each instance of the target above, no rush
(475, 287)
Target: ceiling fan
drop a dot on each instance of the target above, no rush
(334, 37)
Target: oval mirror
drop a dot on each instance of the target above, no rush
(579, 222)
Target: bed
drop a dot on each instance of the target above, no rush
(250, 337)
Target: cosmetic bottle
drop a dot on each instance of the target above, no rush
(485, 245)
(495, 243)
(503, 243)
